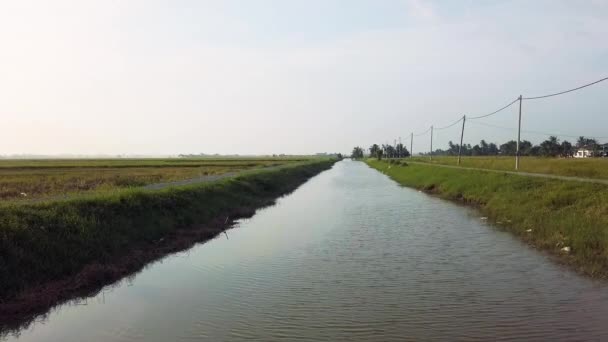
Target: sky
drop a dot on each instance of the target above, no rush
(297, 77)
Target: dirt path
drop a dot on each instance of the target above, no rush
(520, 173)
(190, 181)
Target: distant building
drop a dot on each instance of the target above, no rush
(589, 151)
(583, 152)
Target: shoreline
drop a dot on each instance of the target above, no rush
(546, 214)
(211, 209)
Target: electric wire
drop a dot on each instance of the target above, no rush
(423, 133)
(535, 132)
(494, 112)
(519, 98)
(565, 91)
(448, 126)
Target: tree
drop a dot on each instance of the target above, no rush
(453, 149)
(401, 151)
(509, 148)
(373, 150)
(535, 150)
(483, 148)
(477, 150)
(567, 150)
(585, 142)
(524, 148)
(389, 151)
(357, 153)
(492, 149)
(550, 147)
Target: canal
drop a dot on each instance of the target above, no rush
(350, 255)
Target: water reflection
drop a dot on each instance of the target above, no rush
(348, 256)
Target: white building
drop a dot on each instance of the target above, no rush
(583, 152)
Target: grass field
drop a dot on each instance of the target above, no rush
(47, 241)
(584, 167)
(549, 214)
(34, 179)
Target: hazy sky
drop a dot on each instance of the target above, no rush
(300, 76)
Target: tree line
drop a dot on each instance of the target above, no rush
(378, 151)
(552, 147)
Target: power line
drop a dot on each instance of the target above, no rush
(423, 133)
(534, 132)
(566, 91)
(448, 126)
(494, 112)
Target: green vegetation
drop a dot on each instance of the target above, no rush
(42, 242)
(27, 179)
(584, 167)
(552, 147)
(549, 214)
(357, 153)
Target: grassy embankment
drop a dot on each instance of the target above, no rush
(49, 241)
(584, 167)
(558, 213)
(39, 179)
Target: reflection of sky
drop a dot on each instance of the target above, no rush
(144, 77)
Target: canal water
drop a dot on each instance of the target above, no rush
(349, 256)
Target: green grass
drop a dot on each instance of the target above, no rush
(35, 179)
(40, 242)
(584, 167)
(559, 213)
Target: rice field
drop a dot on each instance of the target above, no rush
(39, 179)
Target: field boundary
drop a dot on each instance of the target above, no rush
(519, 173)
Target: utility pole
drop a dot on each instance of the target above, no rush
(431, 156)
(395, 148)
(412, 145)
(518, 136)
(400, 152)
(464, 118)
(388, 155)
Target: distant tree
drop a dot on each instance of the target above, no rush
(567, 150)
(492, 149)
(550, 147)
(524, 148)
(509, 148)
(585, 142)
(477, 150)
(535, 150)
(373, 150)
(389, 151)
(483, 148)
(582, 141)
(401, 151)
(453, 149)
(357, 153)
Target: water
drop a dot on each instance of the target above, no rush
(350, 255)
